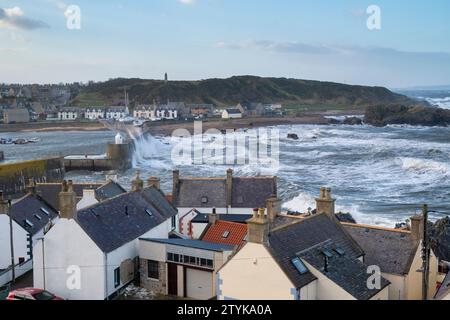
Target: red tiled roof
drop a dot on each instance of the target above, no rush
(215, 233)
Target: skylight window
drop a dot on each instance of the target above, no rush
(38, 217)
(340, 251)
(149, 212)
(240, 199)
(204, 200)
(225, 234)
(327, 253)
(28, 223)
(45, 211)
(298, 264)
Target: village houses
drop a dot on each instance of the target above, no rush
(102, 240)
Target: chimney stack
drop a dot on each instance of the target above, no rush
(137, 184)
(273, 208)
(417, 227)
(31, 187)
(67, 201)
(175, 185)
(213, 217)
(154, 182)
(325, 203)
(229, 187)
(258, 227)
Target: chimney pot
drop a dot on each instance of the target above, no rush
(325, 203)
(154, 182)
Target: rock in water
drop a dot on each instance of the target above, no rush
(353, 121)
(293, 136)
(345, 217)
(383, 115)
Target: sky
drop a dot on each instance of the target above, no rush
(325, 40)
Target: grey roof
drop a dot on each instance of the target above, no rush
(444, 289)
(252, 192)
(110, 189)
(286, 242)
(29, 208)
(392, 250)
(247, 192)
(239, 218)
(233, 111)
(197, 244)
(346, 271)
(50, 191)
(191, 192)
(117, 221)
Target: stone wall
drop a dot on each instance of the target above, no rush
(152, 285)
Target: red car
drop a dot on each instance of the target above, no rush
(32, 294)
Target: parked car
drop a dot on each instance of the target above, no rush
(32, 294)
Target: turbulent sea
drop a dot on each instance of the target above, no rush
(380, 175)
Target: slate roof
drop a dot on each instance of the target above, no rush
(233, 111)
(29, 208)
(346, 271)
(191, 192)
(286, 242)
(225, 232)
(392, 250)
(197, 244)
(247, 192)
(117, 221)
(252, 192)
(444, 289)
(50, 191)
(238, 218)
(110, 189)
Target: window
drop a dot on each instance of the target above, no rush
(116, 277)
(152, 269)
(38, 217)
(209, 263)
(176, 257)
(327, 253)
(340, 251)
(174, 222)
(170, 256)
(192, 260)
(240, 199)
(298, 264)
(28, 223)
(204, 200)
(45, 211)
(186, 259)
(203, 262)
(225, 234)
(149, 212)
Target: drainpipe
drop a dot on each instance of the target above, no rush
(106, 275)
(11, 239)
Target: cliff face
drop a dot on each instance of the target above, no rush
(242, 89)
(382, 115)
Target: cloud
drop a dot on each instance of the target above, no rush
(186, 2)
(14, 18)
(59, 4)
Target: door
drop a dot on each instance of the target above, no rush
(172, 274)
(199, 284)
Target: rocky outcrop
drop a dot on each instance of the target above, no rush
(440, 238)
(345, 217)
(353, 121)
(383, 115)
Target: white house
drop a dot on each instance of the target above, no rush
(69, 113)
(305, 259)
(116, 113)
(93, 253)
(156, 112)
(181, 267)
(95, 113)
(231, 113)
(31, 217)
(398, 254)
(228, 195)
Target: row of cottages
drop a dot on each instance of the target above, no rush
(316, 257)
(228, 195)
(115, 113)
(93, 113)
(92, 253)
(185, 267)
(29, 218)
(156, 112)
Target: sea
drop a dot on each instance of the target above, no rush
(382, 176)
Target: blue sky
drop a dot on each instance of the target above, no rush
(197, 39)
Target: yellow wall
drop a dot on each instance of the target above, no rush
(252, 274)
